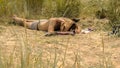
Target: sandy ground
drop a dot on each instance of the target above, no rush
(84, 50)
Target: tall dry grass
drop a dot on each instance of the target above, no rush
(40, 8)
(47, 9)
(113, 14)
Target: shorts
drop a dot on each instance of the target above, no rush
(34, 25)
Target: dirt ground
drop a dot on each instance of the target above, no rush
(85, 50)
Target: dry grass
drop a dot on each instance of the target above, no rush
(24, 48)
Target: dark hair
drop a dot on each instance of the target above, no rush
(76, 20)
(72, 27)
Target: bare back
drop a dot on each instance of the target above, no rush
(43, 25)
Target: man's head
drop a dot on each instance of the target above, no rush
(70, 25)
(74, 26)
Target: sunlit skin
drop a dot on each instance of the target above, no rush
(62, 26)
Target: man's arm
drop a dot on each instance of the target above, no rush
(65, 33)
(60, 33)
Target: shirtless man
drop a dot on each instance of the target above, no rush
(53, 26)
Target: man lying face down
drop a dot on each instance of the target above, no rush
(53, 26)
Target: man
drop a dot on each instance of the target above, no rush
(53, 26)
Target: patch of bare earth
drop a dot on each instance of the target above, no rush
(82, 50)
